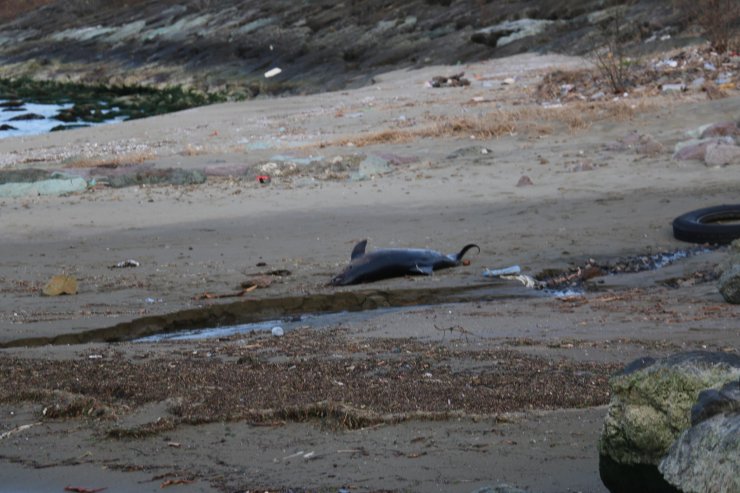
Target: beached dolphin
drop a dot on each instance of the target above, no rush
(394, 262)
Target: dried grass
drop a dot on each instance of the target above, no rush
(110, 162)
(501, 123)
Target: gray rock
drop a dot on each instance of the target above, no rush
(652, 400)
(732, 258)
(706, 457)
(57, 186)
(371, 166)
(712, 402)
(722, 155)
(722, 129)
(729, 284)
(697, 148)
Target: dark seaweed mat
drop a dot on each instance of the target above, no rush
(307, 367)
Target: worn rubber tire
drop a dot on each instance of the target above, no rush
(700, 226)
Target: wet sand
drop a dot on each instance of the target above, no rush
(441, 191)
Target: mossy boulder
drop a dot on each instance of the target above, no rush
(652, 400)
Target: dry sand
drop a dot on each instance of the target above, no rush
(444, 191)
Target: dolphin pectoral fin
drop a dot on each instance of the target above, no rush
(424, 269)
(358, 250)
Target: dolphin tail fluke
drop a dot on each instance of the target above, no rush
(465, 249)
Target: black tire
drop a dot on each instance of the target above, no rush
(700, 226)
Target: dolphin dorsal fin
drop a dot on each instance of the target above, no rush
(358, 250)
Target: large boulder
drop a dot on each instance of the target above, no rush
(651, 406)
(652, 400)
(706, 457)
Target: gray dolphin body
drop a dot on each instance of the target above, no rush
(394, 262)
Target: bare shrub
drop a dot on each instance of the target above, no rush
(609, 55)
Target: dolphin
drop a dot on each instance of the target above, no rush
(394, 262)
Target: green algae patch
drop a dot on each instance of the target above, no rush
(99, 103)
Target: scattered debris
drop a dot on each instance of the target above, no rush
(6, 434)
(246, 287)
(277, 331)
(273, 72)
(212, 296)
(513, 273)
(456, 80)
(256, 283)
(124, 264)
(264, 179)
(172, 482)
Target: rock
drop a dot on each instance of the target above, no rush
(455, 80)
(61, 284)
(5, 127)
(732, 258)
(648, 146)
(371, 166)
(27, 116)
(722, 129)
(721, 155)
(524, 181)
(706, 457)
(712, 402)
(510, 31)
(57, 186)
(651, 403)
(729, 284)
(697, 148)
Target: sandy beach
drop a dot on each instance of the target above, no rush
(509, 386)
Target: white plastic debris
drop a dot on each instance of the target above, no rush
(125, 263)
(277, 331)
(667, 63)
(513, 273)
(506, 271)
(273, 72)
(674, 87)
